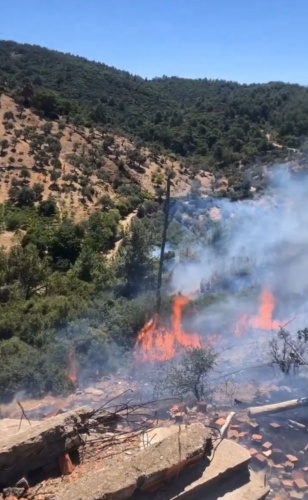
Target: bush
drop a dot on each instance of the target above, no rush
(14, 221)
(190, 374)
(47, 208)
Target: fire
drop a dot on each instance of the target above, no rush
(158, 343)
(263, 320)
(72, 367)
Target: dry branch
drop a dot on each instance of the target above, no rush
(297, 425)
(50, 440)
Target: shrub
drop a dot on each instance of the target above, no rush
(190, 374)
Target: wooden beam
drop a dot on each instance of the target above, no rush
(277, 407)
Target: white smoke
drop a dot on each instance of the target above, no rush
(263, 244)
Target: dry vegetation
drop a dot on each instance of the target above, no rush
(87, 162)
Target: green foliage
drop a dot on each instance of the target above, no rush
(102, 230)
(189, 375)
(26, 269)
(48, 208)
(135, 266)
(221, 122)
(65, 245)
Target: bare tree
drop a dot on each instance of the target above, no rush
(288, 352)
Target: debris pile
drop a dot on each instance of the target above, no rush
(117, 452)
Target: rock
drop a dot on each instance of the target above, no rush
(274, 482)
(13, 492)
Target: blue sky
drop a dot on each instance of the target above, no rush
(242, 40)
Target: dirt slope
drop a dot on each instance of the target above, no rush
(88, 161)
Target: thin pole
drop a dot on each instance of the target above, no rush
(163, 244)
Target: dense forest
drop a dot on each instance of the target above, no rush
(218, 122)
(60, 292)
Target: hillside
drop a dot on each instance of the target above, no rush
(78, 166)
(211, 124)
(84, 152)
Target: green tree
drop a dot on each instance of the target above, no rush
(27, 268)
(4, 144)
(102, 230)
(65, 245)
(55, 175)
(46, 128)
(25, 173)
(38, 190)
(48, 208)
(25, 197)
(8, 115)
(137, 266)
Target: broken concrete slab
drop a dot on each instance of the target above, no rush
(146, 471)
(9, 426)
(254, 489)
(228, 459)
(40, 444)
(158, 434)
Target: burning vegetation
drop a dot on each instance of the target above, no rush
(157, 342)
(263, 320)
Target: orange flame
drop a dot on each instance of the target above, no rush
(72, 367)
(157, 343)
(263, 320)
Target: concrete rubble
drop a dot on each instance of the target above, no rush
(39, 444)
(180, 455)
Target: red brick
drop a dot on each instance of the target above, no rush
(253, 451)
(292, 458)
(257, 438)
(300, 484)
(232, 434)
(267, 453)
(260, 459)
(297, 474)
(278, 467)
(243, 434)
(254, 426)
(275, 427)
(287, 484)
(220, 421)
(267, 445)
(179, 408)
(289, 466)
